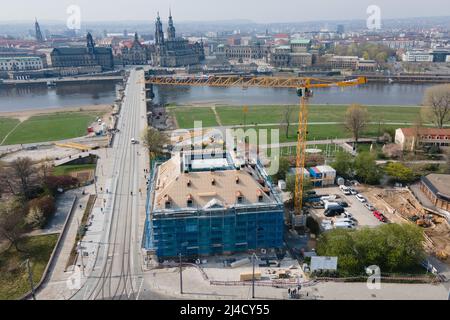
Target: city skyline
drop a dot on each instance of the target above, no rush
(252, 10)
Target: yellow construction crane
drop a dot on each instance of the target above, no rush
(304, 88)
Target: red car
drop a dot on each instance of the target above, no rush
(379, 216)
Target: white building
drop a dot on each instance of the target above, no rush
(417, 56)
(20, 63)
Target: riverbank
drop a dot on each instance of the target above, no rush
(23, 115)
(54, 124)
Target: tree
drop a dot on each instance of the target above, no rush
(399, 172)
(12, 225)
(53, 183)
(343, 164)
(366, 168)
(356, 120)
(23, 170)
(40, 210)
(437, 104)
(286, 121)
(290, 185)
(283, 169)
(392, 247)
(155, 140)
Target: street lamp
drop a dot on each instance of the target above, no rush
(181, 267)
(254, 257)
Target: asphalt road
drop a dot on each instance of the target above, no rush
(117, 270)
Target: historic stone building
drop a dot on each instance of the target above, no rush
(90, 56)
(136, 54)
(175, 51)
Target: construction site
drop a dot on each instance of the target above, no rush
(400, 205)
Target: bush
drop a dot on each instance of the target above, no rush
(53, 183)
(392, 247)
(40, 210)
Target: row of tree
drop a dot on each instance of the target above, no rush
(362, 167)
(28, 197)
(395, 248)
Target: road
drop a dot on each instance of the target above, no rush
(116, 272)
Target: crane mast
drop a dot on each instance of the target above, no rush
(303, 86)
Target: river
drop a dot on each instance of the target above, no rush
(370, 94)
(74, 95)
(63, 95)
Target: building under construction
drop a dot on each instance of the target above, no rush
(203, 204)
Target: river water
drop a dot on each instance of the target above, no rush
(370, 94)
(63, 95)
(74, 95)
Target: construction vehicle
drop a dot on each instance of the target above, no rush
(303, 86)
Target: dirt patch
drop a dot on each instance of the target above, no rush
(401, 206)
(83, 176)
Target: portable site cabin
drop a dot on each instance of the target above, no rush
(322, 176)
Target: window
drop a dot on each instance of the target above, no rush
(240, 199)
(190, 203)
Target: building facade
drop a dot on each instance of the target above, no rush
(21, 63)
(175, 51)
(409, 138)
(243, 52)
(205, 204)
(436, 188)
(136, 54)
(89, 56)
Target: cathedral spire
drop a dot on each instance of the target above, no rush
(159, 33)
(171, 29)
(39, 36)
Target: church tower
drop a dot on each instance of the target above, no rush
(159, 33)
(90, 43)
(171, 28)
(39, 36)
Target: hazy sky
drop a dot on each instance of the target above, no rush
(210, 10)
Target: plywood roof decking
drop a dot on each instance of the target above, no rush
(174, 184)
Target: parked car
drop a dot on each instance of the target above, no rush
(360, 198)
(369, 206)
(380, 216)
(343, 204)
(335, 211)
(345, 220)
(353, 191)
(344, 225)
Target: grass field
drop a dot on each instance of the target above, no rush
(320, 132)
(51, 127)
(187, 115)
(68, 169)
(6, 125)
(232, 115)
(13, 275)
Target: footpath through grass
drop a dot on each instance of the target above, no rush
(234, 115)
(6, 125)
(58, 126)
(13, 273)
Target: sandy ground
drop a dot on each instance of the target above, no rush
(25, 114)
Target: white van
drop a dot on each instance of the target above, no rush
(343, 225)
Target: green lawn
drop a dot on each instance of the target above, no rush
(56, 126)
(13, 275)
(319, 132)
(66, 170)
(232, 115)
(6, 125)
(187, 115)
